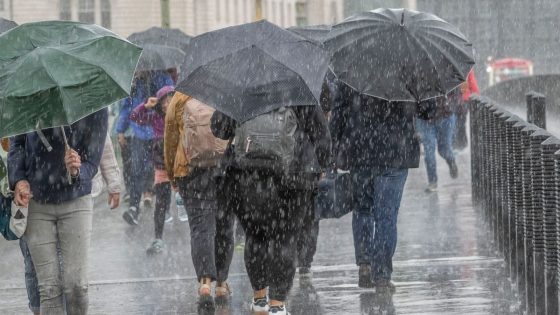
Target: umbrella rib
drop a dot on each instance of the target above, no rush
(423, 48)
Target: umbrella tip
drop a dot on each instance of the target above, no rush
(402, 17)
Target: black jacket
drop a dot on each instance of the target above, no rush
(314, 152)
(369, 132)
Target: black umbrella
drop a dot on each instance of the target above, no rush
(317, 33)
(247, 70)
(6, 25)
(159, 57)
(399, 55)
(161, 36)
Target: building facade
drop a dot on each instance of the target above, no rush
(192, 16)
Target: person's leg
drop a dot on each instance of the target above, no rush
(148, 170)
(202, 223)
(389, 188)
(283, 246)
(428, 131)
(362, 216)
(127, 164)
(74, 234)
(460, 139)
(31, 283)
(41, 238)
(163, 200)
(445, 129)
(309, 233)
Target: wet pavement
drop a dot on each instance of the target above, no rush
(445, 264)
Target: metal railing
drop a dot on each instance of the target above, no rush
(516, 186)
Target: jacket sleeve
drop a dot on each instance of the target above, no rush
(123, 121)
(473, 85)
(141, 115)
(94, 133)
(317, 128)
(171, 136)
(222, 126)
(110, 168)
(340, 115)
(16, 160)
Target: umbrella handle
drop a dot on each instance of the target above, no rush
(67, 147)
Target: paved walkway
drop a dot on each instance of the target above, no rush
(445, 264)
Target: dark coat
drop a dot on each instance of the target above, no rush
(369, 132)
(46, 172)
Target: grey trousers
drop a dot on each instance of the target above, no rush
(70, 225)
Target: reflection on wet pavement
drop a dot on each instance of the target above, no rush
(445, 264)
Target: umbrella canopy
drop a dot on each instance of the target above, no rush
(6, 25)
(399, 55)
(159, 57)
(247, 70)
(55, 73)
(317, 33)
(161, 36)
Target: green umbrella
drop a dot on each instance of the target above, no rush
(54, 73)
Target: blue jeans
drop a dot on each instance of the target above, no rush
(378, 195)
(31, 282)
(440, 132)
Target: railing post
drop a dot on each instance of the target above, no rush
(502, 186)
(550, 192)
(537, 218)
(510, 201)
(475, 125)
(536, 109)
(527, 202)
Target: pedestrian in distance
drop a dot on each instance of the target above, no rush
(145, 85)
(438, 132)
(60, 208)
(468, 88)
(152, 113)
(192, 160)
(276, 188)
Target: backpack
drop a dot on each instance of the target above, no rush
(202, 149)
(267, 142)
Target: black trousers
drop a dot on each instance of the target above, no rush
(309, 233)
(163, 199)
(460, 138)
(271, 216)
(210, 225)
(127, 164)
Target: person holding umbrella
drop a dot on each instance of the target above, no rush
(393, 65)
(264, 83)
(58, 123)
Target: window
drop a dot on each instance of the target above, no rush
(106, 13)
(218, 3)
(301, 13)
(2, 5)
(86, 11)
(65, 10)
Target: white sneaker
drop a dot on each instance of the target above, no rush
(278, 310)
(259, 305)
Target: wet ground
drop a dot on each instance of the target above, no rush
(445, 264)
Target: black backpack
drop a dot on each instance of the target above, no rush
(267, 142)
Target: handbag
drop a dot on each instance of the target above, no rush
(5, 218)
(335, 197)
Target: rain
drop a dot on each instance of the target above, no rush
(279, 157)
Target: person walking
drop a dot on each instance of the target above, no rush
(109, 174)
(60, 208)
(470, 87)
(145, 85)
(192, 158)
(152, 113)
(438, 131)
(376, 141)
(272, 204)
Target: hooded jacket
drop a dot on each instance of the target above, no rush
(30, 160)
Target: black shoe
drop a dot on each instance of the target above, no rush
(384, 286)
(453, 169)
(364, 276)
(131, 216)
